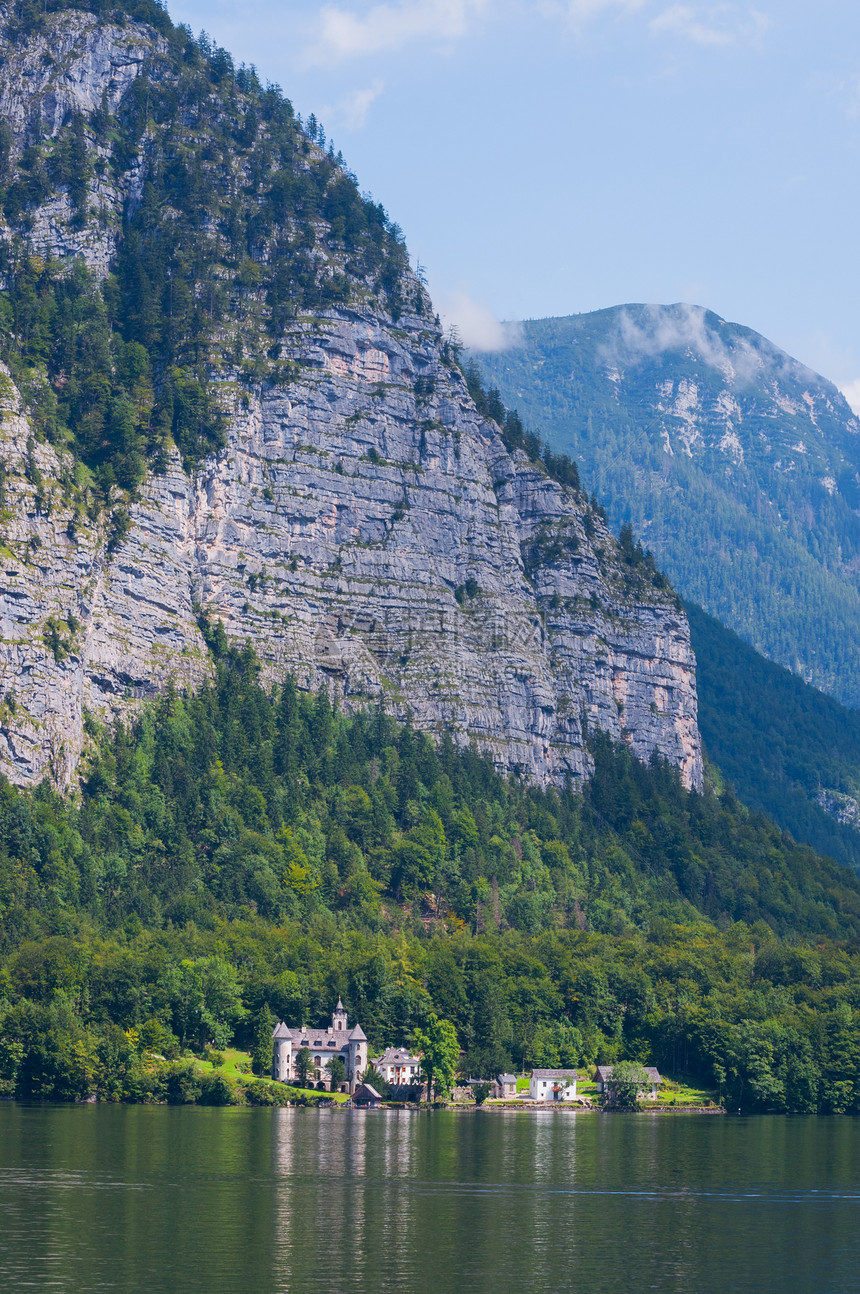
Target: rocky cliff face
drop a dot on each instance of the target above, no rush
(363, 527)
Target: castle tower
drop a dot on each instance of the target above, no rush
(357, 1056)
(339, 1019)
(282, 1053)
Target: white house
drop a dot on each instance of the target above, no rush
(398, 1067)
(553, 1085)
(337, 1040)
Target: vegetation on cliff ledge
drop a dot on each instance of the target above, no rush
(244, 222)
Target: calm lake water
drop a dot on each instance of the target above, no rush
(183, 1200)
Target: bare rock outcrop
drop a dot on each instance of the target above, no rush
(387, 553)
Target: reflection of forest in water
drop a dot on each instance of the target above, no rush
(189, 1199)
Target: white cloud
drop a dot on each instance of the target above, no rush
(851, 391)
(715, 25)
(686, 328)
(352, 29)
(343, 33)
(476, 325)
(351, 111)
(579, 12)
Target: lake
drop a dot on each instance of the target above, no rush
(181, 1200)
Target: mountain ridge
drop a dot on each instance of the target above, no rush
(737, 465)
(236, 453)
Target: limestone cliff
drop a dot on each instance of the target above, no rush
(363, 526)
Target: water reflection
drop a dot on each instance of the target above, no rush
(190, 1200)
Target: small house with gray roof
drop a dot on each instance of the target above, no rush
(366, 1097)
(337, 1039)
(505, 1087)
(553, 1084)
(647, 1091)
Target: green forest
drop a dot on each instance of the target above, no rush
(780, 742)
(250, 852)
(243, 854)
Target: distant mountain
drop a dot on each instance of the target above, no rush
(789, 750)
(738, 466)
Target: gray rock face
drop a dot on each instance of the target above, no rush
(384, 552)
(75, 65)
(363, 529)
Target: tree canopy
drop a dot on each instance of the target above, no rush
(243, 854)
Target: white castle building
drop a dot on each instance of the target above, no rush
(337, 1040)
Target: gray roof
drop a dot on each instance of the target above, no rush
(339, 1006)
(358, 1034)
(367, 1090)
(554, 1073)
(604, 1072)
(506, 1078)
(331, 1040)
(397, 1056)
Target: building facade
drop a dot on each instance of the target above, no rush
(323, 1044)
(553, 1085)
(398, 1067)
(505, 1087)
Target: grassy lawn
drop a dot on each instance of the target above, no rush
(339, 1097)
(679, 1094)
(237, 1067)
(671, 1095)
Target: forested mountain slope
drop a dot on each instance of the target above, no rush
(241, 856)
(736, 465)
(230, 417)
(789, 750)
(229, 394)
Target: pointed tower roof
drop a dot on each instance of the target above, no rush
(340, 1006)
(358, 1034)
(281, 1031)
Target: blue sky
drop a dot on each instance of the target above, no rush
(550, 156)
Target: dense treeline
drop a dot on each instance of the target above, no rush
(244, 222)
(239, 854)
(781, 742)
